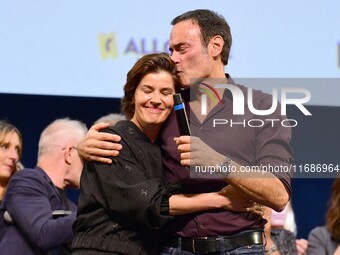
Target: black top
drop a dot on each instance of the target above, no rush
(249, 146)
(123, 205)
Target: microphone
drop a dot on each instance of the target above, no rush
(181, 115)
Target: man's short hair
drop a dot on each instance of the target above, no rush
(210, 24)
(59, 133)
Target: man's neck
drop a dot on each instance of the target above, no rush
(52, 170)
(208, 89)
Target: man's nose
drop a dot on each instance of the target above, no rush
(175, 57)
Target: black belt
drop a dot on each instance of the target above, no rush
(212, 244)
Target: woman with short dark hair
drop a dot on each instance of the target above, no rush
(123, 206)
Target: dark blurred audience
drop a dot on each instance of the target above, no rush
(111, 118)
(281, 233)
(324, 240)
(35, 215)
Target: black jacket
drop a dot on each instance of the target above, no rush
(122, 206)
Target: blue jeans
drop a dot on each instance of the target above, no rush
(255, 249)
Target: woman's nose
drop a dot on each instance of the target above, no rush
(13, 154)
(156, 98)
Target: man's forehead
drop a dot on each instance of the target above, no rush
(184, 26)
(182, 33)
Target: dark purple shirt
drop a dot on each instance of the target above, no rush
(248, 146)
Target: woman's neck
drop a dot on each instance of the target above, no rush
(151, 131)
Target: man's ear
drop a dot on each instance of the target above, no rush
(216, 45)
(68, 154)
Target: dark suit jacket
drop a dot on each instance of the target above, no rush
(30, 199)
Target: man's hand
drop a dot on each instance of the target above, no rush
(98, 146)
(228, 199)
(239, 203)
(261, 187)
(197, 153)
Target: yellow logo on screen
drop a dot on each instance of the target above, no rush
(108, 46)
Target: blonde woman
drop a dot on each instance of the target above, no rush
(10, 153)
